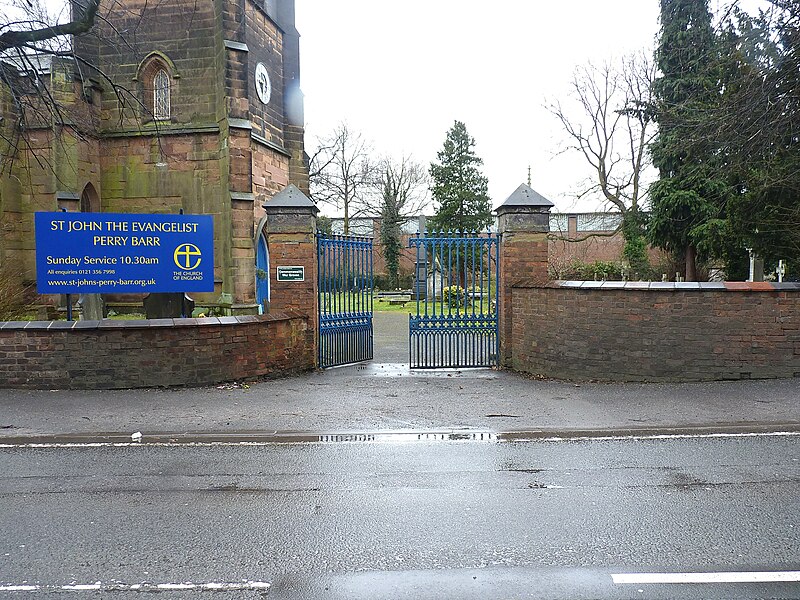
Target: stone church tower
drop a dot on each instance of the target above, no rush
(195, 105)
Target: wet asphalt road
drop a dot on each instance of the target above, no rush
(537, 519)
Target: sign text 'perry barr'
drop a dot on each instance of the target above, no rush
(104, 253)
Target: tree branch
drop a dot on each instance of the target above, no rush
(18, 38)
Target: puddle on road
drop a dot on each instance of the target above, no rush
(371, 369)
(250, 438)
(411, 436)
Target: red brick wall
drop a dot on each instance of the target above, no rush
(522, 255)
(293, 250)
(163, 352)
(657, 332)
(408, 256)
(579, 248)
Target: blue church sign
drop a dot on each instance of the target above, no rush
(79, 253)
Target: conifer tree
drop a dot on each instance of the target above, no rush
(757, 126)
(688, 193)
(459, 188)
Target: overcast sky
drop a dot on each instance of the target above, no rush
(402, 72)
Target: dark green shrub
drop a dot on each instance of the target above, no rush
(596, 271)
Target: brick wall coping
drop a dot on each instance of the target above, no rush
(664, 286)
(107, 324)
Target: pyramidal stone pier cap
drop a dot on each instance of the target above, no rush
(525, 197)
(524, 210)
(290, 199)
(291, 211)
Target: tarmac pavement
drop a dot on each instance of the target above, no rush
(386, 396)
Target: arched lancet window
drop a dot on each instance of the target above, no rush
(90, 201)
(161, 95)
(157, 79)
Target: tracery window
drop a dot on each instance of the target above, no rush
(161, 95)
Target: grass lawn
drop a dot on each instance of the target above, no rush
(382, 305)
(341, 302)
(378, 305)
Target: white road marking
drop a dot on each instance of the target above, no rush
(140, 587)
(82, 587)
(720, 577)
(669, 436)
(403, 438)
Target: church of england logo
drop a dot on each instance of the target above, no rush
(187, 257)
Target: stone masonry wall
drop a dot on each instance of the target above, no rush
(656, 332)
(30, 189)
(163, 352)
(144, 174)
(185, 32)
(220, 152)
(265, 41)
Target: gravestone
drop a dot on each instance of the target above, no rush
(437, 281)
(421, 266)
(92, 307)
(756, 267)
(168, 306)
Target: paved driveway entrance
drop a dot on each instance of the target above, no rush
(391, 337)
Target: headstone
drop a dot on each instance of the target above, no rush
(168, 306)
(436, 281)
(92, 307)
(421, 266)
(758, 269)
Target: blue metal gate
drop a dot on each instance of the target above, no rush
(455, 324)
(345, 299)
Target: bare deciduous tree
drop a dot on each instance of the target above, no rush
(403, 186)
(45, 66)
(612, 128)
(403, 183)
(342, 173)
(39, 63)
(30, 36)
(609, 122)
